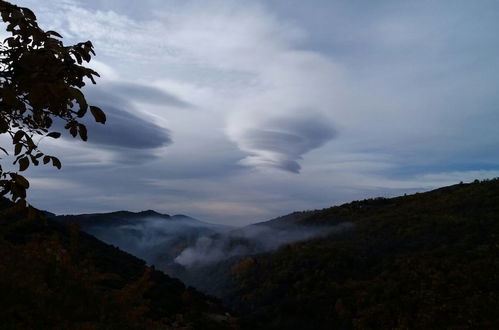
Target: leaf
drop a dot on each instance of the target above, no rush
(53, 33)
(29, 14)
(81, 113)
(17, 137)
(34, 160)
(46, 159)
(18, 148)
(4, 126)
(5, 15)
(80, 99)
(83, 132)
(29, 142)
(73, 131)
(21, 180)
(56, 162)
(98, 114)
(54, 135)
(78, 57)
(23, 163)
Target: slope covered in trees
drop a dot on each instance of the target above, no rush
(425, 261)
(54, 276)
(154, 237)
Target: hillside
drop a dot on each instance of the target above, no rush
(120, 218)
(54, 276)
(156, 238)
(424, 261)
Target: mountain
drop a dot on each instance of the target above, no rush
(184, 247)
(156, 238)
(206, 263)
(54, 276)
(424, 261)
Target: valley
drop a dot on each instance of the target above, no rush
(422, 260)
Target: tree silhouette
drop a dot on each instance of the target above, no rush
(40, 83)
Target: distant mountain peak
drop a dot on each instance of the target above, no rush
(151, 213)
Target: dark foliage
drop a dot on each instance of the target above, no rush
(54, 276)
(425, 261)
(40, 83)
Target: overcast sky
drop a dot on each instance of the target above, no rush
(239, 111)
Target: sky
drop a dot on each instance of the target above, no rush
(236, 112)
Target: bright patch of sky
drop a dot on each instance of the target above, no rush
(237, 111)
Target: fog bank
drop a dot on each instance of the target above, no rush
(249, 240)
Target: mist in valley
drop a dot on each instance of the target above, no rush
(249, 240)
(157, 240)
(198, 253)
(181, 242)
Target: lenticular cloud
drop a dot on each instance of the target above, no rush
(281, 143)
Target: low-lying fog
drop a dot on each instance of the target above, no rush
(155, 239)
(247, 241)
(190, 249)
(190, 243)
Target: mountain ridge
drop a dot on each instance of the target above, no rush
(148, 234)
(110, 218)
(427, 260)
(422, 261)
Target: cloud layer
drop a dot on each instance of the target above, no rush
(225, 102)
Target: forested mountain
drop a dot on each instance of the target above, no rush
(424, 261)
(156, 238)
(53, 276)
(120, 218)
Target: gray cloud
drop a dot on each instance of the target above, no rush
(147, 94)
(412, 87)
(285, 141)
(123, 129)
